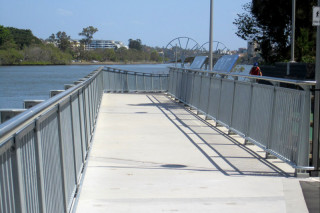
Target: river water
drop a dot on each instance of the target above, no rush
(19, 83)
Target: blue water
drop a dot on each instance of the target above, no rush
(19, 83)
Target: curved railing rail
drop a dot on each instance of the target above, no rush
(43, 150)
(273, 117)
(119, 80)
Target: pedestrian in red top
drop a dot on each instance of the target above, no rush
(255, 70)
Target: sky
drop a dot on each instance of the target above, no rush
(154, 22)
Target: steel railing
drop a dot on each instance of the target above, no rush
(275, 118)
(119, 80)
(43, 150)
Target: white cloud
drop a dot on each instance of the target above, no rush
(63, 12)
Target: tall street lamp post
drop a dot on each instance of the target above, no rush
(316, 126)
(211, 35)
(293, 32)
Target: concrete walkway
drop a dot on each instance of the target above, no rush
(150, 154)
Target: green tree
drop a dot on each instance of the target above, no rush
(48, 54)
(87, 33)
(63, 41)
(268, 22)
(23, 37)
(110, 55)
(5, 36)
(10, 56)
(135, 44)
(52, 38)
(154, 56)
(122, 54)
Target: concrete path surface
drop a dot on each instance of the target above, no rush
(150, 154)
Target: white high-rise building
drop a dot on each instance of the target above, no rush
(103, 44)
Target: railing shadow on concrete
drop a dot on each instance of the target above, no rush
(256, 165)
(275, 118)
(44, 149)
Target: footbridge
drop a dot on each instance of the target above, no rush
(190, 141)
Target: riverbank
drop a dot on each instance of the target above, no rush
(83, 63)
(113, 63)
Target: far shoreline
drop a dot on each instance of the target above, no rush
(85, 63)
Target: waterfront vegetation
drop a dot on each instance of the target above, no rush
(21, 47)
(269, 25)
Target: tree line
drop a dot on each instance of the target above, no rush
(269, 24)
(21, 47)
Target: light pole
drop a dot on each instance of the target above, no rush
(316, 120)
(211, 35)
(293, 31)
(293, 35)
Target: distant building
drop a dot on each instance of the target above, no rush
(74, 43)
(105, 44)
(242, 50)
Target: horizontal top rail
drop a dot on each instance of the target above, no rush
(15, 123)
(132, 72)
(272, 79)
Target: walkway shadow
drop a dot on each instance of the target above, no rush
(230, 157)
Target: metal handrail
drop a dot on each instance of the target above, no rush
(210, 92)
(272, 79)
(131, 72)
(15, 123)
(119, 80)
(54, 137)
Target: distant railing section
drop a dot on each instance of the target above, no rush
(44, 149)
(118, 80)
(275, 118)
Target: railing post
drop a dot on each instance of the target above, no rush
(39, 166)
(199, 95)
(247, 132)
(17, 178)
(73, 142)
(144, 82)
(152, 78)
(218, 110)
(209, 94)
(232, 108)
(136, 79)
(62, 163)
(303, 155)
(271, 120)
